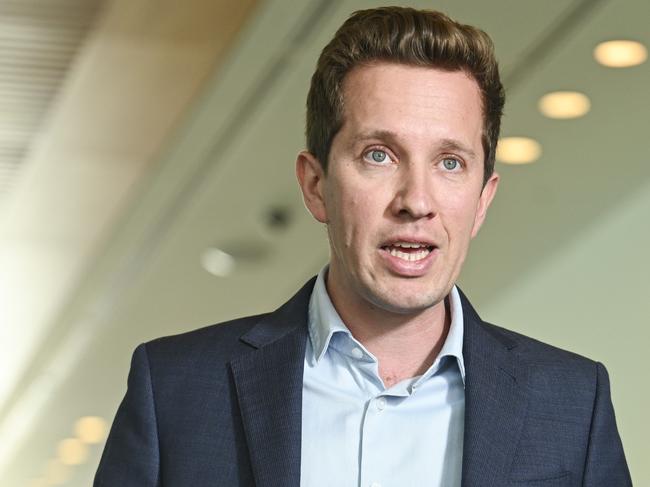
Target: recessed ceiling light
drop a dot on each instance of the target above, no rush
(518, 150)
(620, 53)
(72, 451)
(91, 429)
(217, 262)
(564, 104)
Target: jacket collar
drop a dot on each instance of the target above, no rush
(288, 318)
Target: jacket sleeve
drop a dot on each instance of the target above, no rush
(131, 456)
(605, 464)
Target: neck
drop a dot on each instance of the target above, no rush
(405, 345)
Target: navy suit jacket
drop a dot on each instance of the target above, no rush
(222, 406)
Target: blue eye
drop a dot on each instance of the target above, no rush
(378, 156)
(450, 163)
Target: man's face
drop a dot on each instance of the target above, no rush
(403, 194)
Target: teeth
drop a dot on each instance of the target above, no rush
(410, 257)
(408, 245)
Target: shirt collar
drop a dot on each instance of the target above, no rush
(453, 346)
(324, 322)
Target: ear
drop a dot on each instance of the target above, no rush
(487, 195)
(311, 178)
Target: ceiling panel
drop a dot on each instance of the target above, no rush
(38, 41)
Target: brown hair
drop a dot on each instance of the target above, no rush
(407, 36)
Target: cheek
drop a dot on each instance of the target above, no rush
(357, 225)
(461, 213)
(342, 210)
(358, 207)
(356, 217)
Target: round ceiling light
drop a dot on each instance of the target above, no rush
(564, 104)
(91, 429)
(72, 451)
(217, 262)
(518, 150)
(620, 53)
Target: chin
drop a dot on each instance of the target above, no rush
(406, 304)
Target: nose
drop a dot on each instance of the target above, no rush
(415, 195)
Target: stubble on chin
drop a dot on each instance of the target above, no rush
(386, 298)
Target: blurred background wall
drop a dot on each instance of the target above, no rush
(147, 188)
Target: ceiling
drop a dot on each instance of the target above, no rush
(175, 129)
(38, 43)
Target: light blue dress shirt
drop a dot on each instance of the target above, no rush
(356, 432)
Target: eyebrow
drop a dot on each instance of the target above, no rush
(376, 134)
(457, 146)
(451, 145)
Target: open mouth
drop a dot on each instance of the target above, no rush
(409, 251)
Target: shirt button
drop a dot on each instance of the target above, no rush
(357, 353)
(381, 404)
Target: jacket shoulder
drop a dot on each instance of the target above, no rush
(536, 350)
(548, 364)
(217, 343)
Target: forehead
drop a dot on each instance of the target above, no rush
(412, 100)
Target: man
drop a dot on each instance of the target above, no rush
(379, 372)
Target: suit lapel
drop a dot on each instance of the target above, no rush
(268, 384)
(495, 403)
